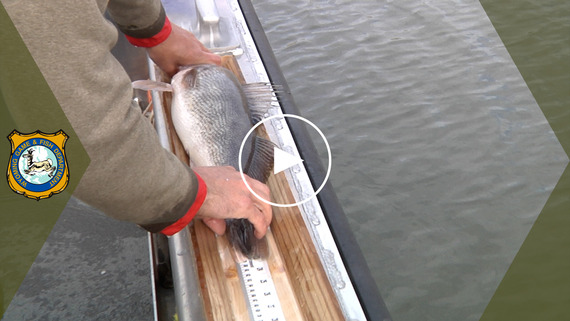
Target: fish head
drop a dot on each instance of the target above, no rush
(186, 78)
(203, 82)
(209, 114)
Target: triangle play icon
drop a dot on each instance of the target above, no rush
(284, 160)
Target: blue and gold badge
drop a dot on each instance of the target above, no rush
(38, 166)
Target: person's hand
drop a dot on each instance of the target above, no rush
(228, 197)
(181, 48)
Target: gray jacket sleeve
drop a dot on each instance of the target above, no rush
(130, 176)
(137, 18)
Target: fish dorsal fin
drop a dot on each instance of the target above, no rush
(148, 84)
(260, 97)
(260, 162)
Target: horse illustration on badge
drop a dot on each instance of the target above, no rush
(38, 165)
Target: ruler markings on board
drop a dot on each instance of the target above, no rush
(261, 294)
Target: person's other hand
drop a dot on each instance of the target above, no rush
(228, 197)
(181, 48)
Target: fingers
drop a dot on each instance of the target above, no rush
(181, 48)
(228, 197)
(205, 57)
(217, 225)
(261, 211)
(260, 218)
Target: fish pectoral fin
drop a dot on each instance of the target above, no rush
(260, 97)
(148, 84)
(260, 161)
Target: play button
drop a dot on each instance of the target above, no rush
(283, 160)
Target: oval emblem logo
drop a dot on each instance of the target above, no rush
(38, 166)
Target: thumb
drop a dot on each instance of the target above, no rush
(217, 225)
(206, 57)
(213, 58)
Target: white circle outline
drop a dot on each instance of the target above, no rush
(284, 116)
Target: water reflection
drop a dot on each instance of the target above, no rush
(442, 158)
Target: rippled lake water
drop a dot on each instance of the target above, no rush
(442, 158)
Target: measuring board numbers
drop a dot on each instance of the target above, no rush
(260, 290)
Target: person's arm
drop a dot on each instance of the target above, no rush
(130, 176)
(169, 45)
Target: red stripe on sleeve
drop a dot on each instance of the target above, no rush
(154, 40)
(185, 220)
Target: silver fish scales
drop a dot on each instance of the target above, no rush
(212, 113)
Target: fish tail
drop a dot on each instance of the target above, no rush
(242, 238)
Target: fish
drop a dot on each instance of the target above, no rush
(212, 113)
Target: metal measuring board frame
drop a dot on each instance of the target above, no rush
(254, 70)
(254, 275)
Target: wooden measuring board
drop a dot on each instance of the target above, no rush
(300, 282)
